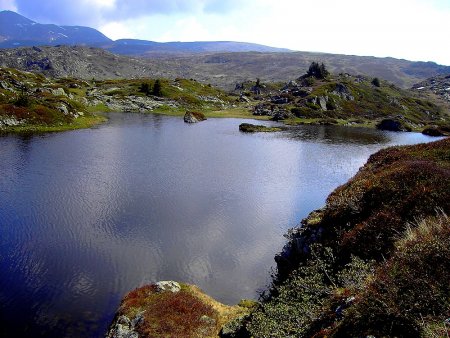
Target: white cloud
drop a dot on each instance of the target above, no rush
(8, 5)
(413, 29)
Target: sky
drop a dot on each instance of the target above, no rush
(417, 30)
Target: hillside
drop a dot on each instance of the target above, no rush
(345, 99)
(219, 69)
(227, 69)
(374, 261)
(31, 103)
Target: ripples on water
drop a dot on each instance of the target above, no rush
(86, 216)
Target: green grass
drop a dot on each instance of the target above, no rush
(79, 123)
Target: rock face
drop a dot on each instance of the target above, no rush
(194, 117)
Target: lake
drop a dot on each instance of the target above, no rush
(88, 215)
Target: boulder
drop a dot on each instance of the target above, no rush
(392, 125)
(194, 117)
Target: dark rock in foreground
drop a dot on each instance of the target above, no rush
(194, 117)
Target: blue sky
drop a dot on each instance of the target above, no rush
(409, 29)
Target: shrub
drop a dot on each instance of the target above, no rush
(145, 88)
(317, 70)
(376, 82)
(157, 88)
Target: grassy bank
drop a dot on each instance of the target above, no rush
(80, 123)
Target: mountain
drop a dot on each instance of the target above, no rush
(16, 30)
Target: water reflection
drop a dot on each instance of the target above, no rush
(86, 216)
(338, 135)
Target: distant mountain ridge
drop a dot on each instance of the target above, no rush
(16, 30)
(19, 31)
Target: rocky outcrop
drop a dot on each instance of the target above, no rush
(276, 112)
(194, 117)
(174, 310)
(343, 92)
(439, 85)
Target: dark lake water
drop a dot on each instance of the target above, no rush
(88, 215)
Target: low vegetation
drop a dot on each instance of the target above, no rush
(32, 103)
(374, 261)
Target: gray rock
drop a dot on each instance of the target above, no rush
(123, 327)
(323, 102)
(59, 92)
(10, 121)
(244, 98)
(171, 286)
(63, 109)
(343, 92)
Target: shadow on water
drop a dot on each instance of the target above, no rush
(337, 135)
